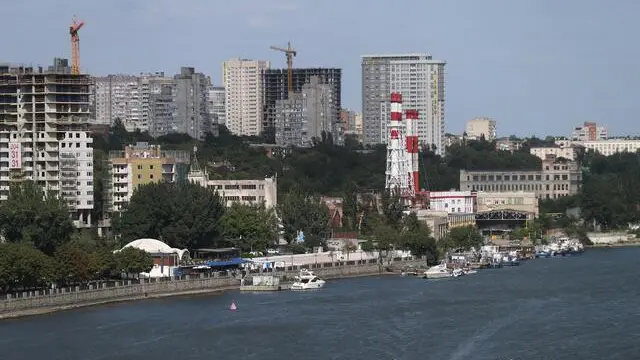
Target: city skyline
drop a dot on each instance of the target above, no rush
(543, 61)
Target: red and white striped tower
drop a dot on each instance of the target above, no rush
(397, 180)
(412, 148)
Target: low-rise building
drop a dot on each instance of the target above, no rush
(437, 221)
(568, 152)
(557, 178)
(522, 201)
(452, 201)
(506, 144)
(612, 146)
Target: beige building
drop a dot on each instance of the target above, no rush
(437, 221)
(481, 127)
(556, 179)
(512, 200)
(142, 164)
(244, 86)
(568, 153)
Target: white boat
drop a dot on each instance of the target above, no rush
(438, 272)
(458, 273)
(307, 280)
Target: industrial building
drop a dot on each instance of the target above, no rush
(44, 133)
(243, 84)
(557, 178)
(421, 82)
(276, 88)
(141, 164)
(306, 115)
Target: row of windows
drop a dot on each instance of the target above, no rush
(519, 187)
(520, 177)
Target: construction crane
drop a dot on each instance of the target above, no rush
(75, 45)
(289, 53)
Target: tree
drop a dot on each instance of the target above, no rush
(464, 237)
(299, 212)
(250, 227)
(74, 265)
(183, 216)
(416, 237)
(133, 261)
(31, 216)
(24, 267)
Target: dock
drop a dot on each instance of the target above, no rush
(264, 283)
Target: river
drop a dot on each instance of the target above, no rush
(583, 307)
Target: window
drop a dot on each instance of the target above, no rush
(151, 176)
(139, 176)
(150, 167)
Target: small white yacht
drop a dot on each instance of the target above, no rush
(307, 280)
(438, 272)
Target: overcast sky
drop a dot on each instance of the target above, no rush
(536, 66)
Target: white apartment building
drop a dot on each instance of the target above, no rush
(420, 79)
(611, 146)
(453, 201)
(243, 95)
(117, 97)
(45, 138)
(568, 152)
(481, 127)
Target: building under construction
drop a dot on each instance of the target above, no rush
(44, 133)
(275, 82)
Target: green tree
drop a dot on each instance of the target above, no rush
(103, 264)
(29, 215)
(132, 261)
(250, 227)
(74, 265)
(24, 267)
(183, 216)
(463, 237)
(299, 212)
(416, 237)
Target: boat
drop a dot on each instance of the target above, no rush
(438, 272)
(543, 253)
(510, 260)
(307, 280)
(458, 273)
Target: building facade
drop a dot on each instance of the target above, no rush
(243, 84)
(420, 79)
(523, 201)
(481, 128)
(305, 116)
(142, 164)
(116, 97)
(276, 88)
(589, 131)
(453, 201)
(216, 105)
(557, 178)
(612, 146)
(568, 153)
(192, 103)
(45, 136)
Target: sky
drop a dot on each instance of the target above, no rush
(537, 67)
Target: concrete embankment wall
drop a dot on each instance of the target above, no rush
(34, 302)
(610, 238)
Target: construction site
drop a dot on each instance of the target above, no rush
(44, 130)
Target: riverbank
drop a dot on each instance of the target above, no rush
(616, 245)
(29, 304)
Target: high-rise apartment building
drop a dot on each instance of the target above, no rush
(44, 134)
(481, 128)
(116, 97)
(420, 79)
(590, 131)
(158, 106)
(141, 164)
(191, 103)
(216, 105)
(306, 115)
(276, 88)
(243, 86)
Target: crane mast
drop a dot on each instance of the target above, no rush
(289, 53)
(75, 45)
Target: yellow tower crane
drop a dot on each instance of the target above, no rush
(289, 53)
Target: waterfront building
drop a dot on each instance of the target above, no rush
(165, 258)
(141, 164)
(437, 221)
(481, 128)
(45, 136)
(460, 202)
(557, 178)
(421, 81)
(244, 87)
